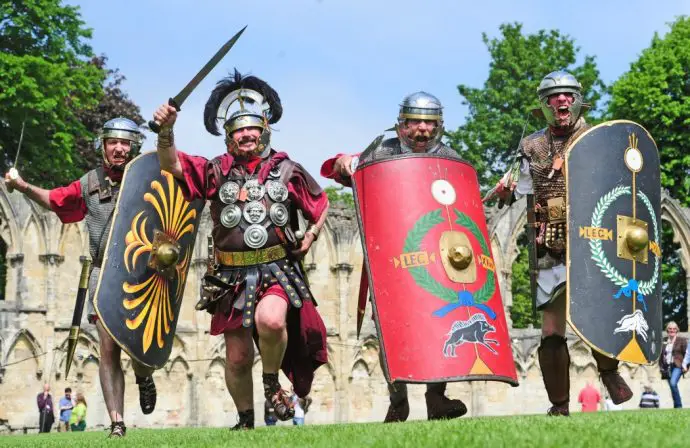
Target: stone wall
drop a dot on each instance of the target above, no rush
(43, 268)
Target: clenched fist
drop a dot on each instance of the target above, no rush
(343, 166)
(13, 181)
(165, 116)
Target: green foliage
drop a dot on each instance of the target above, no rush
(497, 111)
(338, 196)
(521, 310)
(655, 92)
(45, 79)
(114, 103)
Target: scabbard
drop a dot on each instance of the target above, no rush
(78, 312)
(531, 229)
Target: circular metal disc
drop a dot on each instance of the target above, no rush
(254, 212)
(230, 216)
(255, 236)
(229, 192)
(255, 191)
(279, 214)
(276, 191)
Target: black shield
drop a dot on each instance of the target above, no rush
(144, 271)
(614, 231)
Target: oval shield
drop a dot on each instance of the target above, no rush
(146, 261)
(614, 247)
(434, 287)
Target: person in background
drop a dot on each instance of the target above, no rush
(672, 361)
(46, 415)
(589, 398)
(77, 421)
(609, 405)
(66, 404)
(298, 419)
(270, 418)
(649, 399)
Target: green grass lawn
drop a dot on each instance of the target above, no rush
(667, 428)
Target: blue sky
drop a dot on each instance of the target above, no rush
(342, 67)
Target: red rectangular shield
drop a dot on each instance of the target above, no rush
(434, 286)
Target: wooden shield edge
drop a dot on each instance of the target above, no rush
(567, 270)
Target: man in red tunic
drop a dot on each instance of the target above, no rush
(92, 198)
(257, 288)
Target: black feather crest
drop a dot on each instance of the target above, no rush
(234, 82)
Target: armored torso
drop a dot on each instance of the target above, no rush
(542, 149)
(249, 215)
(392, 147)
(100, 196)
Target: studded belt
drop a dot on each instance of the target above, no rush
(250, 258)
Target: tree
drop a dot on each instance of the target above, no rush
(521, 310)
(673, 284)
(114, 103)
(336, 195)
(497, 112)
(45, 80)
(655, 92)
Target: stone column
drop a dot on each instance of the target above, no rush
(51, 261)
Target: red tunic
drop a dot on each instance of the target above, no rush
(306, 349)
(68, 203)
(328, 171)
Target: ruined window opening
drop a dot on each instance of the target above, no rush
(674, 291)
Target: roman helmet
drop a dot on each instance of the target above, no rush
(239, 102)
(420, 106)
(123, 128)
(560, 82)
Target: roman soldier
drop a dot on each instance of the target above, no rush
(256, 286)
(539, 172)
(419, 130)
(93, 198)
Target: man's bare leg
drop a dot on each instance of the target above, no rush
(271, 325)
(239, 358)
(111, 375)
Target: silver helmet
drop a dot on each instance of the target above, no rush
(122, 128)
(560, 82)
(240, 102)
(420, 106)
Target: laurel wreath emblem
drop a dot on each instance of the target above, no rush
(421, 275)
(596, 247)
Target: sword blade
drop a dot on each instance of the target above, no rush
(206, 69)
(19, 146)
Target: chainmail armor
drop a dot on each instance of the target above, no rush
(541, 148)
(391, 148)
(100, 197)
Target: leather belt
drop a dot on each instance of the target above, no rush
(250, 258)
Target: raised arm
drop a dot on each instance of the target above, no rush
(166, 115)
(36, 194)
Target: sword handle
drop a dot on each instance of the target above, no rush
(154, 125)
(14, 174)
